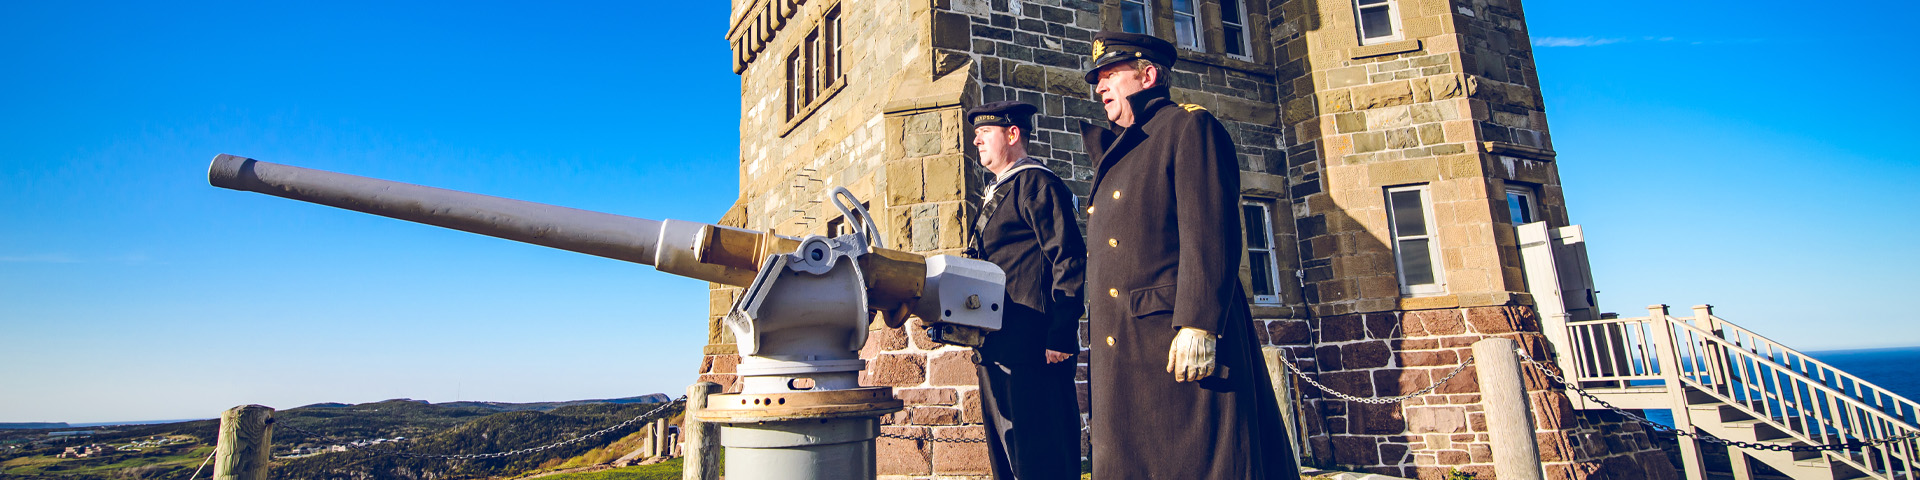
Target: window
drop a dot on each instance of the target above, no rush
(814, 66)
(1376, 20)
(1233, 26)
(1134, 18)
(1186, 31)
(1520, 205)
(1260, 257)
(1415, 251)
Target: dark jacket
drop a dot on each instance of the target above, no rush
(1033, 234)
(1165, 235)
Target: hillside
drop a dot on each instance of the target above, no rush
(174, 450)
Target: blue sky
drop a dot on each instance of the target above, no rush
(1749, 156)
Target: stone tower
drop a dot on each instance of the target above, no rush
(1387, 148)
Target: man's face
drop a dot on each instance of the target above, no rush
(997, 145)
(1116, 82)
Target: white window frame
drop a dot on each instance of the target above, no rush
(1434, 259)
(1527, 199)
(1199, 29)
(1146, 15)
(1246, 34)
(1273, 257)
(1393, 18)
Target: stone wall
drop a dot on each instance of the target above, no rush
(1322, 125)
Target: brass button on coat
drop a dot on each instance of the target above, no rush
(1116, 194)
(1109, 341)
(1089, 210)
(1113, 292)
(1113, 242)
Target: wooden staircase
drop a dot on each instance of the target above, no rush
(1723, 381)
(1718, 379)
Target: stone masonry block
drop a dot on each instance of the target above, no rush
(953, 368)
(904, 184)
(960, 458)
(1342, 328)
(945, 178)
(1365, 355)
(1383, 95)
(895, 370)
(970, 407)
(933, 416)
(904, 457)
(926, 396)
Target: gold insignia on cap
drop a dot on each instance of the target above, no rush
(983, 118)
(1099, 47)
(1193, 107)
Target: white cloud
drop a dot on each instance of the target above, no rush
(1573, 42)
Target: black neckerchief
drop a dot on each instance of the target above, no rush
(974, 250)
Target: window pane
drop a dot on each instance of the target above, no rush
(1133, 17)
(1233, 40)
(1372, 2)
(1409, 219)
(1519, 208)
(1375, 22)
(1183, 6)
(1256, 225)
(1262, 272)
(1184, 31)
(1231, 10)
(1416, 262)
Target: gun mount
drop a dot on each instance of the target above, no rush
(798, 325)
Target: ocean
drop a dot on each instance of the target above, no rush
(1895, 369)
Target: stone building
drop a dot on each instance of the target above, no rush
(1387, 147)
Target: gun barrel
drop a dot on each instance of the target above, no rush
(617, 237)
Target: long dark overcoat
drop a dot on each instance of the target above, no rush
(1030, 229)
(1164, 251)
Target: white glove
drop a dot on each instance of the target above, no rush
(1190, 358)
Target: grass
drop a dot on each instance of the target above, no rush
(667, 470)
(39, 464)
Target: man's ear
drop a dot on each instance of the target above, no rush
(1152, 72)
(1013, 134)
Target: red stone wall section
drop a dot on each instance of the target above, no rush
(1395, 353)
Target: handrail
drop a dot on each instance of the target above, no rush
(1754, 374)
(1838, 418)
(1859, 384)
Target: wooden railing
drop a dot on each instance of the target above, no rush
(1792, 392)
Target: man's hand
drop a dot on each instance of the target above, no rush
(1057, 357)
(1190, 358)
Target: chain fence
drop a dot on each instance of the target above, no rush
(644, 417)
(1704, 436)
(1376, 400)
(941, 440)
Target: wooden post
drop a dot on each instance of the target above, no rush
(1283, 393)
(648, 449)
(660, 447)
(1503, 393)
(702, 460)
(245, 443)
(1668, 352)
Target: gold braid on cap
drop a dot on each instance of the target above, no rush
(1099, 47)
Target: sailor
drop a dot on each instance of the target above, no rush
(1028, 227)
(1175, 367)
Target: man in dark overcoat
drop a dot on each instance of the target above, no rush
(1028, 227)
(1179, 388)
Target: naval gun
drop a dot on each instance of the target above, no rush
(799, 322)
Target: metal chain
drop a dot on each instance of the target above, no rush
(1708, 437)
(643, 417)
(1377, 400)
(932, 439)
